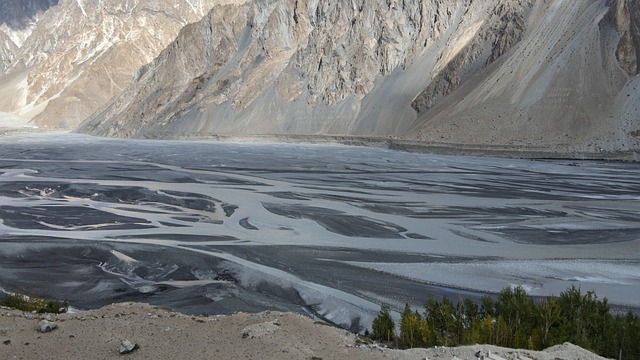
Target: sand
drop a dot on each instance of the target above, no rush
(164, 334)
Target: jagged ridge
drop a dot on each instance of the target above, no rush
(78, 54)
(520, 73)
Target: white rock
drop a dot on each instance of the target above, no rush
(127, 346)
(45, 326)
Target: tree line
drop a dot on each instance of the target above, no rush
(515, 320)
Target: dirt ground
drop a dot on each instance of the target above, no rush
(163, 334)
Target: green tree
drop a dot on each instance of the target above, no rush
(426, 333)
(515, 320)
(501, 332)
(516, 308)
(487, 307)
(441, 315)
(547, 317)
(574, 308)
(383, 325)
(487, 331)
(410, 327)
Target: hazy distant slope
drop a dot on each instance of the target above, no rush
(514, 72)
(18, 14)
(77, 55)
(17, 20)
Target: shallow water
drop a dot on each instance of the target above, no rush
(328, 230)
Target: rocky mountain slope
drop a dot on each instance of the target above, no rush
(571, 83)
(17, 21)
(526, 73)
(60, 61)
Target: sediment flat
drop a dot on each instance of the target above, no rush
(326, 230)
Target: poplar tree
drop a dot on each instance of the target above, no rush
(383, 325)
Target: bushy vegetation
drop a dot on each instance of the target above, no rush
(384, 328)
(34, 303)
(515, 320)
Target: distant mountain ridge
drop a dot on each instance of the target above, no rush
(17, 20)
(522, 73)
(18, 14)
(66, 61)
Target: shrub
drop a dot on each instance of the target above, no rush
(33, 303)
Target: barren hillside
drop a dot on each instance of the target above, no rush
(521, 73)
(61, 61)
(570, 83)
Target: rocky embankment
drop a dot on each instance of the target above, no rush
(140, 331)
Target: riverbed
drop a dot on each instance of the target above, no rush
(327, 230)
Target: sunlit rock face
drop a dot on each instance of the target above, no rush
(316, 67)
(62, 60)
(502, 72)
(17, 20)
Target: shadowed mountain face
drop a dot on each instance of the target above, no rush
(522, 73)
(628, 25)
(16, 14)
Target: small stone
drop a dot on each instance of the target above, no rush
(127, 346)
(45, 326)
(7, 342)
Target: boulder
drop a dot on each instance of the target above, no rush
(127, 346)
(45, 326)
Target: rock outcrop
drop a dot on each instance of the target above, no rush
(45, 326)
(293, 67)
(8, 51)
(569, 84)
(524, 73)
(627, 18)
(67, 62)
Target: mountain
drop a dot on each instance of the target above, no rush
(62, 60)
(17, 20)
(522, 73)
(17, 14)
(571, 83)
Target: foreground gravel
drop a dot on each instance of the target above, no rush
(163, 334)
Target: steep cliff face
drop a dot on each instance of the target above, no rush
(314, 67)
(570, 83)
(8, 50)
(627, 18)
(80, 53)
(508, 72)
